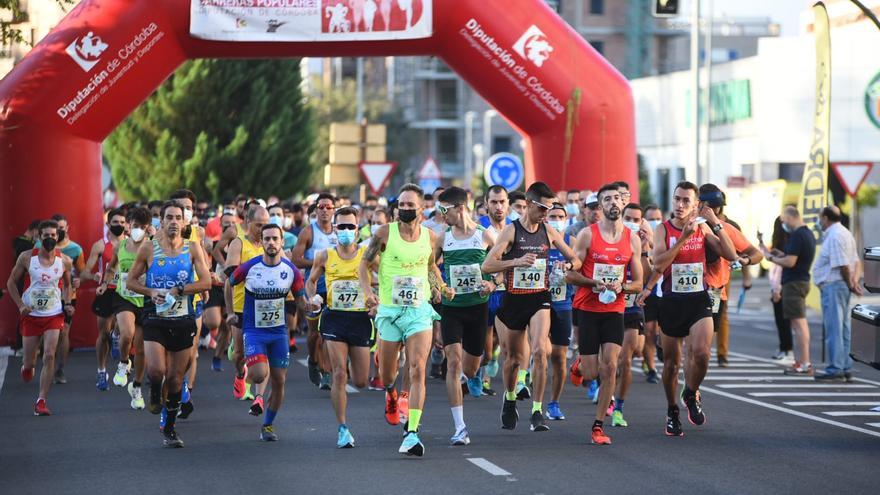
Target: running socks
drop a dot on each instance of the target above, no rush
(270, 417)
(521, 376)
(598, 423)
(415, 415)
(618, 405)
(172, 405)
(509, 395)
(537, 406)
(458, 417)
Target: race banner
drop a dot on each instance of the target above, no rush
(814, 186)
(311, 20)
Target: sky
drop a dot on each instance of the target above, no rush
(785, 12)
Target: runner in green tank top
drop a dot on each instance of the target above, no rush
(408, 277)
(127, 305)
(464, 325)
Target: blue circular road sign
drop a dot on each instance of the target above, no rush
(504, 169)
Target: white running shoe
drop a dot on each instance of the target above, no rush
(120, 379)
(137, 398)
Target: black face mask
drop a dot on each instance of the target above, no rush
(117, 230)
(406, 216)
(62, 234)
(49, 243)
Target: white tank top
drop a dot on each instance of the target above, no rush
(43, 294)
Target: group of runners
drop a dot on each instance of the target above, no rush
(519, 290)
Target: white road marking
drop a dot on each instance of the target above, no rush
(763, 360)
(304, 362)
(488, 466)
(875, 425)
(4, 361)
(722, 370)
(851, 413)
(830, 403)
(748, 365)
(790, 385)
(814, 394)
(760, 378)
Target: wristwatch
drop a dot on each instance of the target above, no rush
(717, 228)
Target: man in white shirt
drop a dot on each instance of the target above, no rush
(836, 273)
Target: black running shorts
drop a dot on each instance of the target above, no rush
(679, 313)
(595, 329)
(516, 310)
(465, 326)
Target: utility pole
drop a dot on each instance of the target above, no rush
(695, 78)
(469, 118)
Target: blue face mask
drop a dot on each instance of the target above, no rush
(279, 221)
(346, 237)
(559, 225)
(654, 224)
(514, 216)
(572, 209)
(156, 223)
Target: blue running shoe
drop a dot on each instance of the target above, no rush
(344, 439)
(460, 438)
(475, 385)
(593, 391)
(163, 416)
(102, 382)
(184, 392)
(217, 364)
(554, 412)
(492, 368)
(114, 345)
(412, 445)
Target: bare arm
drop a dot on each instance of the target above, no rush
(66, 286)
(303, 242)
(370, 259)
(315, 275)
(87, 273)
(139, 268)
(558, 240)
(635, 267)
(493, 262)
(435, 278)
(581, 246)
(200, 266)
(18, 271)
(228, 235)
(110, 272)
(233, 254)
(720, 242)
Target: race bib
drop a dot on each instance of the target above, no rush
(177, 309)
(44, 299)
(558, 290)
(347, 295)
(466, 279)
(607, 274)
(630, 299)
(687, 278)
(715, 295)
(407, 291)
(531, 277)
(269, 313)
(123, 287)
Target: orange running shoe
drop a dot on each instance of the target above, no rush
(239, 386)
(577, 379)
(403, 405)
(599, 437)
(40, 408)
(392, 414)
(27, 374)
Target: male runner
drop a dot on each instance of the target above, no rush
(521, 252)
(653, 215)
(497, 207)
(345, 325)
(561, 295)
(215, 308)
(243, 248)
(463, 327)
(102, 252)
(128, 305)
(42, 305)
(685, 307)
(316, 237)
(408, 277)
(267, 279)
(606, 248)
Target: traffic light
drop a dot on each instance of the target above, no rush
(665, 8)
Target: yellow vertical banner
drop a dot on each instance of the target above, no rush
(814, 186)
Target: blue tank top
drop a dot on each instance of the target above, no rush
(166, 273)
(561, 296)
(320, 242)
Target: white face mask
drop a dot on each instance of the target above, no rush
(137, 234)
(514, 215)
(288, 223)
(631, 226)
(559, 225)
(187, 215)
(374, 228)
(654, 224)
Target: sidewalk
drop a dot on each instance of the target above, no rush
(757, 299)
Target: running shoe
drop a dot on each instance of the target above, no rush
(163, 417)
(392, 413)
(291, 347)
(59, 376)
(257, 406)
(172, 440)
(267, 434)
(475, 386)
(239, 386)
(412, 445)
(830, 378)
(344, 440)
(326, 381)
(230, 350)
(436, 372)
(375, 384)
(492, 368)
(848, 377)
(673, 423)
(186, 408)
(403, 405)
(114, 345)
(41, 409)
(799, 369)
(522, 391)
(653, 377)
(216, 364)
(314, 372)
(645, 368)
(101, 382)
(723, 362)
(554, 413)
(27, 374)
(593, 391)
(694, 406)
(137, 397)
(248, 392)
(610, 410)
(577, 379)
(120, 379)
(185, 394)
(598, 436)
(537, 422)
(509, 416)
(460, 438)
(617, 419)
(487, 390)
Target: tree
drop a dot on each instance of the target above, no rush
(218, 127)
(9, 33)
(645, 196)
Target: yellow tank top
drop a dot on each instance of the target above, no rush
(343, 288)
(248, 251)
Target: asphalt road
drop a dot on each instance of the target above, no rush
(755, 441)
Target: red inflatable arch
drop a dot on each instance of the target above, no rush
(107, 56)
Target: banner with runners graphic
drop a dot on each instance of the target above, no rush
(310, 20)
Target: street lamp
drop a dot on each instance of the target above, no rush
(469, 119)
(488, 115)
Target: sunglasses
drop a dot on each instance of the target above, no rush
(326, 207)
(542, 205)
(346, 226)
(445, 208)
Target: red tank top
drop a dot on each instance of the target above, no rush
(686, 274)
(607, 262)
(106, 257)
